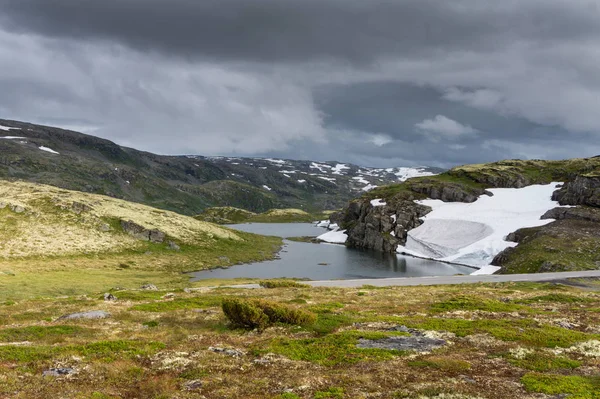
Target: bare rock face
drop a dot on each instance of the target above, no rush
(584, 190)
(381, 228)
(577, 213)
(142, 233)
(448, 192)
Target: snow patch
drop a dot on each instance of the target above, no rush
(50, 150)
(378, 202)
(8, 128)
(337, 169)
(472, 234)
(330, 179)
(12, 138)
(301, 181)
(267, 187)
(334, 237)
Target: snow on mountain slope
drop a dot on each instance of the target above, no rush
(359, 178)
(473, 233)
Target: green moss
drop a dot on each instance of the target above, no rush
(442, 363)
(112, 350)
(555, 298)
(28, 354)
(551, 384)
(473, 303)
(180, 304)
(42, 333)
(544, 362)
(333, 349)
(330, 393)
(329, 322)
(524, 331)
(282, 284)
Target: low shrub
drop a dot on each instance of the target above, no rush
(282, 284)
(255, 313)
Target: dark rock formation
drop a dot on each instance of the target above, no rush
(447, 192)
(381, 228)
(577, 213)
(584, 190)
(142, 233)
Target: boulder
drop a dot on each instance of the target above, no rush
(584, 190)
(142, 233)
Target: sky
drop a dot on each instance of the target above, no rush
(377, 83)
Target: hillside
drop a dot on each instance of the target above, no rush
(61, 241)
(389, 218)
(185, 184)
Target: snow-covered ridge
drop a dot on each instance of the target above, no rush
(357, 178)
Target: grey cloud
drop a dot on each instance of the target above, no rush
(345, 80)
(298, 30)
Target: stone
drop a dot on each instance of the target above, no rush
(193, 385)
(149, 287)
(17, 208)
(93, 314)
(142, 233)
(173, 246)
(79, 207)
(584, 190)
(104, 227)
(58, 372)
(169, 295)
(412, 343)
(227, 351)
(109, 297)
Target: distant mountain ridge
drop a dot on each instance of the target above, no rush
(185, 184)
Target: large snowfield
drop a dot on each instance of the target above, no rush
(473, 233)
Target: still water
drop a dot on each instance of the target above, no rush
(326, 261)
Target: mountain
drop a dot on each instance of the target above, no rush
(185, 184)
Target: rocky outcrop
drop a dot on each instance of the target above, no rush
(576, 213)
(584, 190)
(381, 228)
(447, 192)
(142, 233)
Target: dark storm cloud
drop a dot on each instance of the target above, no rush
(377, 82)
(298, 30)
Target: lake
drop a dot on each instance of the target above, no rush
(326, 261)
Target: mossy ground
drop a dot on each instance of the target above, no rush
(506, 341)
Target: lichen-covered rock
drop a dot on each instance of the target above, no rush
(93, 314)
(142, 233)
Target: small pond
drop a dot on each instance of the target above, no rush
(326, 261)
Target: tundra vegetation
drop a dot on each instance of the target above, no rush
(499, 341)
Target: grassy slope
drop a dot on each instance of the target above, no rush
(497, 174)
(51, 249)
(507, 341)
